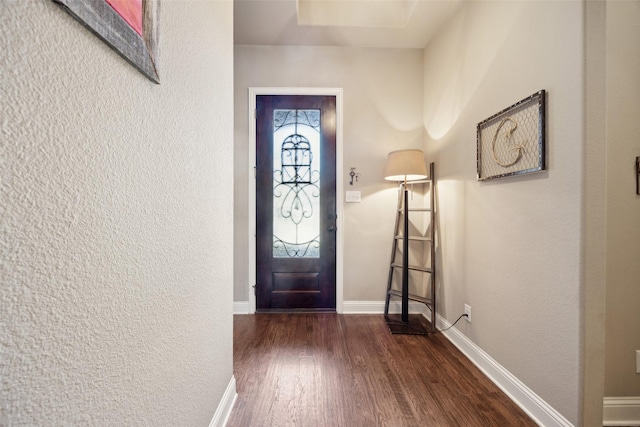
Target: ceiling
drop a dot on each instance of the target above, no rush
(353, 23)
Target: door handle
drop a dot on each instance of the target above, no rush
(332, 216)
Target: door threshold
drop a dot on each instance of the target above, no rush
(296, 310)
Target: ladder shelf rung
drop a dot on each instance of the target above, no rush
(419, 181)
(412, 267)
(416, 210)
(412, 297)
(419, 238)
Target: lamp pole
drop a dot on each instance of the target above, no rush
(405, 257)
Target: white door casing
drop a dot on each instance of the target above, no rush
(337, 92)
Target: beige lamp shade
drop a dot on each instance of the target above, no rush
(405, 165)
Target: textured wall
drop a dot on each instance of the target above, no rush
(511, 248)
(115, 221)
(382, 112)
(623, 205)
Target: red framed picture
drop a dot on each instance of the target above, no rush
(130, 27)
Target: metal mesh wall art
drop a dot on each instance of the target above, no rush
(296, 184)
(512, 142)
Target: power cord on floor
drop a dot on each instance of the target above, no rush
(450, 326)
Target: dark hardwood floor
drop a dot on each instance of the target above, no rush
(348, 370)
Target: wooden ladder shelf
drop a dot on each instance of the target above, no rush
(395, 266)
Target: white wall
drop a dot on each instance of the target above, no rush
(511, 248)
(623, 205)
(115, 226)
(382, 112)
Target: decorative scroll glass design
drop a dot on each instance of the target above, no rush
(296, 184)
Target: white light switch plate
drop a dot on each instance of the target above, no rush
(353, 197)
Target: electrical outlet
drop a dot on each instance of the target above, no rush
(467, 311)
(637, 361)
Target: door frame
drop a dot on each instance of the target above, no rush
(253, 93)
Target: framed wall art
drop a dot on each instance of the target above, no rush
(130, 27)
(512, 142)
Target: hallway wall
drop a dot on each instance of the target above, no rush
(382, 113)
(115, 227)
(511, 248)
(623, 205)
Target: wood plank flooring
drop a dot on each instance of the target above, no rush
(317, 370)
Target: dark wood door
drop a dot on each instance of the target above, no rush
(295, 202)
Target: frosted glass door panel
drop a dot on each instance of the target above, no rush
(296, 183)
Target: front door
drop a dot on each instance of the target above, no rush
(295, 202)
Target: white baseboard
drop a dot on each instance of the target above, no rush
(539, 410)
(621, 411)
(225, 406)
(241, 307)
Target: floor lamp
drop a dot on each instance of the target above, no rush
(405, 166)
